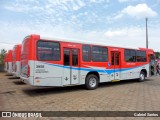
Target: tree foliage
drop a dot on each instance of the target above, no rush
(157, 55)
(2, 56)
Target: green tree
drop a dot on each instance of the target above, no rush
(2, 56)
(157, 55)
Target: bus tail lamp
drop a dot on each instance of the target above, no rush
(28, 71)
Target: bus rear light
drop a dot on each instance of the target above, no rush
(37, 81)
(28, 71)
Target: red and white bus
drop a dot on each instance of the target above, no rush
(5, 62)
(9, 63)
(58, 62)
(16, 57)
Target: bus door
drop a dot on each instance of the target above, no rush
(71, 66)
(152, 65)
(115, 65)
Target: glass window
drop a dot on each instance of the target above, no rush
(75, 57)
(99, 54)
(66, 57)
(47, 50)
(112, 58)
(130, 55)
(141, 56)
(86, 53)
(116, 58)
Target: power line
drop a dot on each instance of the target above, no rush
(8, 43)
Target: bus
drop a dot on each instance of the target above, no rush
(5, 62)
(58, 62)
(16, 60)
(9, 63)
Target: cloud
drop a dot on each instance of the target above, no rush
(124, 37)
(66, 19)
(134, 37)
(99, 1)
(116, 33)
(24, 6)
(125, 32)
(121, 1)
(139, 11)
(47, 6)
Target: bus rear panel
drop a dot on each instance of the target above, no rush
(16, 56)
(9, 64)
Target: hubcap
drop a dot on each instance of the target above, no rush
(142, 76)
(92, 82)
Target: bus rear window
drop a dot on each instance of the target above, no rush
(25, 49)
(47, 50)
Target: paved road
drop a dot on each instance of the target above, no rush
(120, 96)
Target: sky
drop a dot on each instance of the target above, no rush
(113, 22)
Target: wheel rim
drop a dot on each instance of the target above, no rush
(92, 82)
(142, 76)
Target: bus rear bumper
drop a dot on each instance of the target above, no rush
(28, 80)
(14, 74)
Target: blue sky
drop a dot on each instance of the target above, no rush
(114, 22)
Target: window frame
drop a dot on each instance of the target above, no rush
(42, 40)
(101, 47)
(90, 57)
(125, 56)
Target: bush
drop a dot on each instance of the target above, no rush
(2, 56)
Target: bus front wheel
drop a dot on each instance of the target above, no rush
(141, 77)
(91, 82)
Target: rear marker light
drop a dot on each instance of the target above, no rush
(28, 71)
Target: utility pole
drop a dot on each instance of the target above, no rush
(146, 33)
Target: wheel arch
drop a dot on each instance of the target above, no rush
(145, 71)
(94, 73)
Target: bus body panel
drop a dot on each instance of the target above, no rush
(133, 73)
(24, 73)
(58, 73)
(5, 68)
(9, 65)
(47, 74)
(6, 62)
(9, 70)
(18, 69)
(16, 65)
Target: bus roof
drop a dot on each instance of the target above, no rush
(16, 52)
(10, 56)
(85, 42)
(6, 57)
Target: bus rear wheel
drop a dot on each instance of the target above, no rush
(141, 77)
(91, 82)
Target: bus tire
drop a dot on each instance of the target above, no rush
(91, 82)
(141, 77)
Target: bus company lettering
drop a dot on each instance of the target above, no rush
(40, 69)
